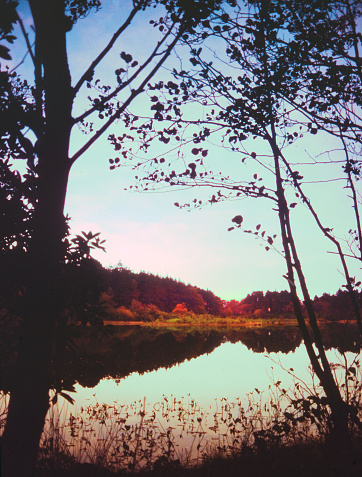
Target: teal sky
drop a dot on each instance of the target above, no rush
(147, 232)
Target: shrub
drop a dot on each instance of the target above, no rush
(180, 309)
(123, 314)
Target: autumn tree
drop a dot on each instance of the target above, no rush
(38, 117)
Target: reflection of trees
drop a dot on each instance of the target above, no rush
(137, 349)
(142, 351)
(272, 340)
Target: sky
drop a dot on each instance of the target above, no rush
(146, 232)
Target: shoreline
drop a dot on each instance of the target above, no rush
(250, 324)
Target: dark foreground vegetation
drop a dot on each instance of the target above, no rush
(286, 433)
(310, 460)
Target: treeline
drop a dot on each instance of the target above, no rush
(332, 307)
(127, 295)
(260, 304)
(125, 289)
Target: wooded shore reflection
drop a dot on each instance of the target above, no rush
(133, 417)
(128, 349)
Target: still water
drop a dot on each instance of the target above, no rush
(229, 371)
(207, 404)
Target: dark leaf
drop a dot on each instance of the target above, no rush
(67, 397)
(4, 52)
(238, 219)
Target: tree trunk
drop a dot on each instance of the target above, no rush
(320, 363)
(29, 396)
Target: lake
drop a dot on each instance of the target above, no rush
(144, 395)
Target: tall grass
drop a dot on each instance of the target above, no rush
(180, 432)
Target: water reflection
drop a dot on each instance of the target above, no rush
(206, 405)
(231, 370)
(148, 394)
(137, 349)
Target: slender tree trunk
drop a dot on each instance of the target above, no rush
(29, 397)
(319, 362)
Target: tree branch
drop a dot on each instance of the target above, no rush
(129, 81)
(88, 74)
(133, 95)
(20, 21)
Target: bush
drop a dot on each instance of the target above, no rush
(123, 314)
(180, 309)
(146, 312)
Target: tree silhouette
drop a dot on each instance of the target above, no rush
(263, 83)
(37, 119)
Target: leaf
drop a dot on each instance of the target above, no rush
(258, 226)
(126, 57)
(352, 370)
(9, 38)
(293, 205)
(67, 397)
(238, 219)
(253, 155)
(230, 229)
(4, 52)
(270, 240)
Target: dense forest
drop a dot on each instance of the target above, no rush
(121, 294)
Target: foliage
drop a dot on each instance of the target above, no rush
(180, 309)
(129, 296)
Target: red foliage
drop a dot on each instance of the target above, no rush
(180, 308)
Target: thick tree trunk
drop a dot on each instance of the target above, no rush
(29, 396)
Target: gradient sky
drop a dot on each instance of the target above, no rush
(147, 232)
